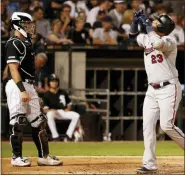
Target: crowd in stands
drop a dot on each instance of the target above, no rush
(99, 22)
(81, 22)
(85, 21)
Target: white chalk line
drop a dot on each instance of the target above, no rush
(111, 157)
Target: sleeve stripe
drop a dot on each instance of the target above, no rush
(70, 103)
(11, 57)
(46, 107)
(13, 61)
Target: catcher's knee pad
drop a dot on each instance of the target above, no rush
(40, 137)
(39, 120)
(16, 132)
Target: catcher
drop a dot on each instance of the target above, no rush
(22, 99)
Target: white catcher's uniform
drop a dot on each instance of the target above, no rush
(160, 59)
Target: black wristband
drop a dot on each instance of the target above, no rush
(134, 28)
(20, 86)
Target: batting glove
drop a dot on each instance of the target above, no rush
(137, 14)
(144, 20)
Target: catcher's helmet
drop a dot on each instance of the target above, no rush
(23, 23)
(166, 25)
(53, 77)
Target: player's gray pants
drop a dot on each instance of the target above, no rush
(62, 115)
(160, 103)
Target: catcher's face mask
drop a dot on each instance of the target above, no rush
(29, 27)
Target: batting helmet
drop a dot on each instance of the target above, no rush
(53, 77)
(166, 25)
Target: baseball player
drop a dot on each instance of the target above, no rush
(164, 90)
(22, 99)
(57, 105)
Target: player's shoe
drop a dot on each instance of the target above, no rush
(49, 161)
(20, 162)
(144, 170)
(57, 139)
(67, 139)
(78, 134)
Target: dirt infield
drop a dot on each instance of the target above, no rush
(97, 165)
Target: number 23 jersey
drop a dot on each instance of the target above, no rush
(160, 64)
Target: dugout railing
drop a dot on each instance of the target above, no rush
(89, 96)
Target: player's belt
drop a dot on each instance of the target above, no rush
(29, 81)
(158, 86)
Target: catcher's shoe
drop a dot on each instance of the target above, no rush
(20, 162)
(49, 161)
(144, 170)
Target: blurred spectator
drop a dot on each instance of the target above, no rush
(65, 18)
(128, 14)
(178, 32)
(4, 21)
(87, 26)
(111, 5)
(4, 80)
(42, 25)
(105, 35)
(56, 36)
(82, 14)
(128, 18)
(100, 17)
(73, 5)
(178, 7)
(78, 34)
(147, 7)
(159, 9)
(5, 73)
(117, 13)
(11, 6)
(3, 11)
(25, 6)
(135, 5)
(92, 16)
(53, 8)
(183, 24)
(91, 4)
(35, 3)
(41, 74)
(86, 6)
(38, 43)
(76, 7)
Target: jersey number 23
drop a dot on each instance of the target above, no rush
(157, 58)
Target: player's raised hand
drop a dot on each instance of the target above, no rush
(137, 14)
(25, 97)
(143, 18)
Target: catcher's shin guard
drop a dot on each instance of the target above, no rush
(16, 132)
(39, 136)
